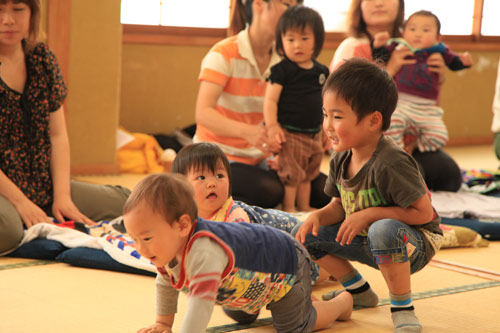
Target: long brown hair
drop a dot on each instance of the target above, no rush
(241, 15)
(356, 26)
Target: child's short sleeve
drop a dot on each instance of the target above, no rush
(400, 183)
(279, 73)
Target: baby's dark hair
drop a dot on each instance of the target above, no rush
(366, 87)
(201, 156)
(170, 195)
(428, 14)
(299, 17)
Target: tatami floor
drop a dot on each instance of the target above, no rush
(458, 292)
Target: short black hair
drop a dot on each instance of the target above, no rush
(201, 156)
(299, 17)
(366, 87)
(428, 14)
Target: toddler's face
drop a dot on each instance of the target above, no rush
(341, 124)
(155, 239)
(421, 31)
(211, 189)
(299, 46)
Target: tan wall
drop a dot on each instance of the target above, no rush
(467, 98)
(153, 88)
(159, 88)
(94, 80)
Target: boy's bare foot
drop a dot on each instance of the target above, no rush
(345, 299)
(305, 208)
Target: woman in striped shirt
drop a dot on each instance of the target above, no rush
(229, 108)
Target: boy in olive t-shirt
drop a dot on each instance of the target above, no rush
(381, 213)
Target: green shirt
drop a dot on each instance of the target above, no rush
(390, 178)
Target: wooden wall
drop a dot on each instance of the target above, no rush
(153, 88)
(159, 87)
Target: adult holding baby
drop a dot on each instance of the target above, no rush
(366, 18)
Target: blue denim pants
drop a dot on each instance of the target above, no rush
(388, 241)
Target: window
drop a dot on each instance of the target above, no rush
(169, 21)
(178, 13)
(491, 12)
(459, 23)
(334, 13)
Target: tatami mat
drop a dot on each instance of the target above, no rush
(484, 257)
(61, 298)
(44, 296)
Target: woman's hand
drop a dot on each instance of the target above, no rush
(256, 135)
(65, 207)
(399, 58)
(436, 64)
(31, 214)
(272, 162)
(276, 137)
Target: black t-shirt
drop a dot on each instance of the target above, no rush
(300, 103)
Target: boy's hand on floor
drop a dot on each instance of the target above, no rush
(156, 328)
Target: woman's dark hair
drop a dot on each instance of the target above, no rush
(356, 26)
(241, 15)
(366, 87)
(201, 156)
(298, 18)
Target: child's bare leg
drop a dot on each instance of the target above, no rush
(397, 277)
(350, 278)
(323, 275)
(289, 198)
(304, 197)
(338, 308)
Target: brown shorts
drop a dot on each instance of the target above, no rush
(300, 157)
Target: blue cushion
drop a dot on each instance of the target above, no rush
(39, 248)
(488, 230)
(99, 259)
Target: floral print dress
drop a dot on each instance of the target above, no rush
(25, 146)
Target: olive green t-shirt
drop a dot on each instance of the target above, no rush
(390, 178)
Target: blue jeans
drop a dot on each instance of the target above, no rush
(388, 241)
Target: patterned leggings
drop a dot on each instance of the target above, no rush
(423, 121)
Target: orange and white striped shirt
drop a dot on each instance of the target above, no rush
(231, 64)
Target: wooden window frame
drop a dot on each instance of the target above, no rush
(169, 35)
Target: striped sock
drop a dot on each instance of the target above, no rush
(401, 302)
(362, 295)
(354, 282)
